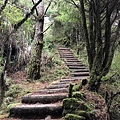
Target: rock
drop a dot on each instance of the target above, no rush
(76, 87)
(85, 114)
(74, 117)
(79, 95)
(71, 105)
(36, 111)
(48, 118)
(46, 98)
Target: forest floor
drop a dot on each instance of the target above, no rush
(20, 78)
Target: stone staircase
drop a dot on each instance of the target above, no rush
(48, 101)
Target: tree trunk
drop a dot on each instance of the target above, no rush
(5, 68)
(35, 61)
(99, 42)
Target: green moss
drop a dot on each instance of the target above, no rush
(13, 90)
(83, 113)
(76, 87)
(84, 106)
(74, 117)
(35, 62)
(70, 105)
(70, 90)
(79, 95)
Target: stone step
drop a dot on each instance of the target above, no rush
(44, 98)
(69, 80)
(67, 54)
(79, 70)
(52, 91)
(70, 56)
(79, 74)
(67, 59)
(62, 48)
(57, 86)
(80, 77)
(73, 60)
(59, 83)
(74, 63)
(77, 67)
(36, 111)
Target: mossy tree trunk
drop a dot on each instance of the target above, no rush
(35, 60)
(100, 42)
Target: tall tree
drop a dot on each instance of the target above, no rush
(15, 27)
(101, 24)
(35, 61)
(101, 35)
(67, 21)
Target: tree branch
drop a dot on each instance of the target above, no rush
(113, 5)
(73, 3)
(48, 27)
(48, 7)
(44, 12)
(3, 6)
(35, 8)
(114, 17)
(16, 26)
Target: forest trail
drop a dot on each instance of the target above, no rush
(47, 103)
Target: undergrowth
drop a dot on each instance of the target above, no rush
(53, 67)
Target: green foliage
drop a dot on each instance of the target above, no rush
(60, 73)
(76, 87)
(74, 117)
(12, 15)
(66, 22)
(116, 62)
(70, 105)
(79, 95)
(26, 3)
(13, 90)
(83, 113)
(66, 14)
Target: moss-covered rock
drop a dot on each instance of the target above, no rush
(76, 87)
(79, 95)
(84, 106)
(84, 114)
(70, 105)
(74, 117)
(70, 90)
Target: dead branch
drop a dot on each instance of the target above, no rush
(48, 7)
(48, 27)
(35, 8)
